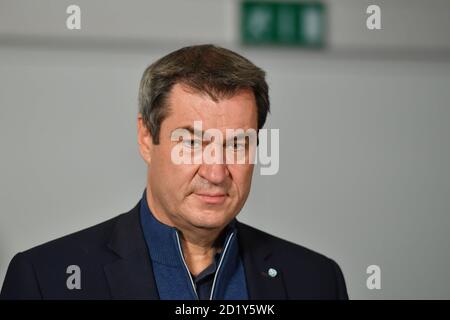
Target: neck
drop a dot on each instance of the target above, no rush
(199, 253)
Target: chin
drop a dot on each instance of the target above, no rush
(210, 220)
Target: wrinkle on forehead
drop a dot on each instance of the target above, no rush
(237, 111)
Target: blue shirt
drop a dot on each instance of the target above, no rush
(204, 280)
(223, 279)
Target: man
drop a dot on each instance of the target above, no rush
(182, 240)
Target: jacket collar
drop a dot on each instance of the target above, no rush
(258, 257)
(131, 275)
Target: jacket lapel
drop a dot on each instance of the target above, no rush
(258, 258)
(131, 275)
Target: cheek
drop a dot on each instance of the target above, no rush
(242, 177)
(173, 176)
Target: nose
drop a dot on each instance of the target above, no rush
(215, 173)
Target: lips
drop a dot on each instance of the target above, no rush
(211, 194)
(211, 198)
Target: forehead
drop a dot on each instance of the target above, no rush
(187, 106)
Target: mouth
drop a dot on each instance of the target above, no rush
(217, 198)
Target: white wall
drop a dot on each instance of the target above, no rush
(364, 171)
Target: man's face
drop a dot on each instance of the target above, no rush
(175, 192)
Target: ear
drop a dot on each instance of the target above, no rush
(144, 140)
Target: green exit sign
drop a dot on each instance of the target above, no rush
(283, 23)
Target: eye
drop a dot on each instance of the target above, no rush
(237, 146)
(192, 143)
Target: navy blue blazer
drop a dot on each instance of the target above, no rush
(115, 264)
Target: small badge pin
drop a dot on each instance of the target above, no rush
(272, 272)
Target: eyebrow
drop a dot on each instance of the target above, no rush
(192, 131)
